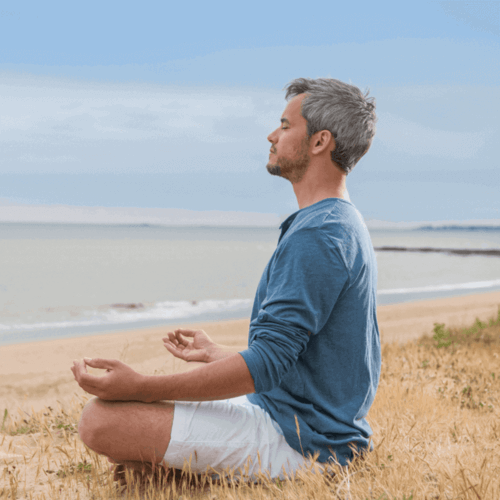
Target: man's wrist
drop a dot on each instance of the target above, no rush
(215, 353)
(145, 391)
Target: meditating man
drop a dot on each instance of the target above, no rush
(308, 377)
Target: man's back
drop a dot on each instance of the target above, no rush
(314, 348)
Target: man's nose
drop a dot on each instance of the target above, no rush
(272, 137)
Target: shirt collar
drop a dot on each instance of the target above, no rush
(288, 221)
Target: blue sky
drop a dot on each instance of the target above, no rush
(160, 105)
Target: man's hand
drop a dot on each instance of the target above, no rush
(119, 383)
(201, 348)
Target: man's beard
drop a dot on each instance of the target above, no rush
(292, 169)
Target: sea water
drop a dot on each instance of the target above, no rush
(62, 280)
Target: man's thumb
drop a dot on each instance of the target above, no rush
(104, 364)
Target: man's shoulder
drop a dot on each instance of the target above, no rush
(334, 217)
(338, 225)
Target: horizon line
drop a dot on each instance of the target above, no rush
(12, 212)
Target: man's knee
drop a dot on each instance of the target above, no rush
(93, 423)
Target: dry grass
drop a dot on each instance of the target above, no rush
(436, 436)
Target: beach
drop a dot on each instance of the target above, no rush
(434, 418)
(37, 374)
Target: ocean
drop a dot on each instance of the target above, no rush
(66, 280)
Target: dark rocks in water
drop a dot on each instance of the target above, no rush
(128, 306)
(458, 227)
(455, 251)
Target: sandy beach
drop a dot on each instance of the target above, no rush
(37, 374)
(444, 404)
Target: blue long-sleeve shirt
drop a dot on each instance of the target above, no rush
(314, 346)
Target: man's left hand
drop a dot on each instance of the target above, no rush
(119, 383)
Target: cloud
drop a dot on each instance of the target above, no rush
(124, 112)
(53, 125)
(405, 136)
(48, 122)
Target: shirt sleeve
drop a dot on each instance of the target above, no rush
(305, 280)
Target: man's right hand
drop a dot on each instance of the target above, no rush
(193, 345)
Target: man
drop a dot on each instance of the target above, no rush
(312, 365)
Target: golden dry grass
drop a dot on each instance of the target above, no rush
(436, 436)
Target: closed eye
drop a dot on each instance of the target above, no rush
(284, 123)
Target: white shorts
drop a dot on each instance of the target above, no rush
(230, 434)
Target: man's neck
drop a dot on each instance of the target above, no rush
(319, 184)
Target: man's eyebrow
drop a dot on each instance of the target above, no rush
(285, 120)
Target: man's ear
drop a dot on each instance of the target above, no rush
(321, 141)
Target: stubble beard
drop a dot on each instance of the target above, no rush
(292, 169)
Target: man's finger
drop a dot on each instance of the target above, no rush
(78, 369)
(86, 381)
(174, 350)
(171, 338)
(104, 364)
(185, 331)
(182, 340)
(81, 364)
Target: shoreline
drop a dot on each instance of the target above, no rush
(37, 374)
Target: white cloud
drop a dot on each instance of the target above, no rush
(405, 136)
(46, 123)
(51, 125)
(124, 111)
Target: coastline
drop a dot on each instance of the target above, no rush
(37, 374)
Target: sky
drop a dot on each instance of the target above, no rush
(109, 109)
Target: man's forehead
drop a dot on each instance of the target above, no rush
(293, 108)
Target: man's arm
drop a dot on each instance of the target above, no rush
(221, 379)
(303, 285)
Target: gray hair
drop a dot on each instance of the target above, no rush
(341, 109)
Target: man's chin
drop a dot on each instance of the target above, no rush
(274, 169)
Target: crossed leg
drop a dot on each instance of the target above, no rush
(127, 431)
(215, 434)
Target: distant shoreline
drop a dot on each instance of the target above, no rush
(244, 224)
(142, 224)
